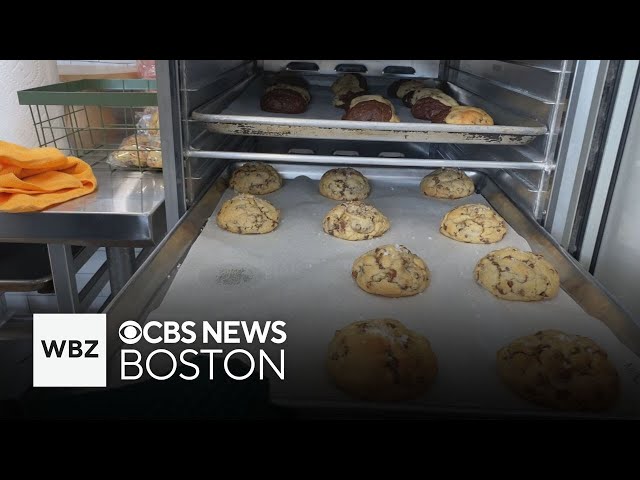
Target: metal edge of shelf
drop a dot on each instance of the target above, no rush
(136, 230)
(371, 161)
(69, 93)
(374, 126)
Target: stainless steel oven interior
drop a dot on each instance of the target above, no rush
(535, 167)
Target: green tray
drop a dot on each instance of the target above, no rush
(107, 93)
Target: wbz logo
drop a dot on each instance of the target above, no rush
(69, 350)
(74, 350)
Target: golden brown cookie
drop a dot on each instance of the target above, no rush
(381, 360)
(447, 183)
(513, 274)
(557, 370)
(255, 178)
(391, 271)
(468, 116)
(344, 184)
(247, 214)
(473, 223)
(355, 221)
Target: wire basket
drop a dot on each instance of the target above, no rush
(97, 120)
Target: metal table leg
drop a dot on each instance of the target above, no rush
(121, 263)
(64, 278)
(4, 310)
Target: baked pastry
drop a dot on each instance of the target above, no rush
(296, 88)
(430, 104)
(381, 360)
(371, 108)
(557, 370)
(247, 214)
(355, 221)
(255, 178)
(513, 274)
(468, 116)
(348, 87)
(436, 93)
(349, 81)
(289, 78)
(400, 88)
(344, 184)
(391, 271)
(430, 108)
(447, 183)
(285, 98)
(473, 223)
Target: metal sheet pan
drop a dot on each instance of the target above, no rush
(301, 275)
(322, 120)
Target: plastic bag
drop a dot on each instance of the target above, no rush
(149, 122)
(137, 151)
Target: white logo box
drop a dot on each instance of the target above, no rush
(76, 345)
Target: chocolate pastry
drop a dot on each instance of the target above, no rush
(284, 98)
(412, 97)
(289, 78)
(400, 88)
(348, 87)
(371, 108)
(431, 109)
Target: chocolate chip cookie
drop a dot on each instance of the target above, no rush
(512, 274)
(355, 221)
(344, 184)
(473, 223)
(557, 370)
(468, 116)
(447, 183)
(255, 178)
(247, 214)
(381, 360)
(391, 271)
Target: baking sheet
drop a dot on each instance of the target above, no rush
(321, 119)
(301, 275)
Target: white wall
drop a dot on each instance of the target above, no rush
(16, 124)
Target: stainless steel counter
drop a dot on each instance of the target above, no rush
(126, 210)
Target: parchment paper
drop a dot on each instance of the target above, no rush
(301, 275)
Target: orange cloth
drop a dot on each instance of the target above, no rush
(32, 179)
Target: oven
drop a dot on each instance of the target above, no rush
(548, 166)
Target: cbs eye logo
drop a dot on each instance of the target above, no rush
(130, 332)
